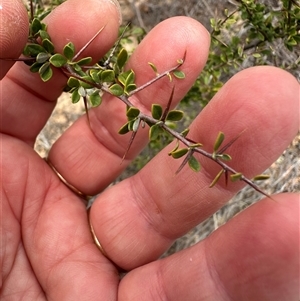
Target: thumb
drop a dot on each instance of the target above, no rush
(13, 32)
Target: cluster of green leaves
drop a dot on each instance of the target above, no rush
(244, 37)
(110, 76)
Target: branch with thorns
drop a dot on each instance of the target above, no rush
(108, 76)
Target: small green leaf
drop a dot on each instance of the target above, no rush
(175, 115)
(85, 84)
(174, 149)
(116, 90)
(219, 141)
(122, 58)
(132, 113)
(136, 124)
(94, 75)
(33, 50)
(261, 177)
(123, 76)
(156, 111)
(236, 177)
(73, 82)
(42, 57)
(217, 178)
(194, 164)
(35, 67)
(130, 124)
(153, 67)
(84, 61)
(130, 78)
(69, 51)
(128, 89)
(185, 132)
(45, 72)
(36, 25)
(256, 55)
(44, 35)
(82, 91)
(124, 129)
(95, 98)
(78, 69)
(155, 131)
(108, 76)
(179, 74)
(75, 96)
(58, 60)
(224, 157)
(179, 153)
(48, 45)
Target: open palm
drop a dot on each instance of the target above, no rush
(47, 252)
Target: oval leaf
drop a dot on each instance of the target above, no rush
(85, 84)
(217, 178)
(155, 131)
(132, 113)
(116, 90)
(128, 89)
(95, 98)
(33, 50)
(136, 124)
(156, 111)
(42, 57)
(122, 58)
(194, 164)
(178, 153)
(124, 129)
(85, 61)
(219, 141)
(75, 96)
(175, 115)
(48, 45)
(35, 67)
(73, 82)
(45, 72)
(44, 35)
(261, 177)
(236, 177)
(123, 76)
(179, 74)
(130, 78)
(108, 76)
(36, 25)
(58, 60)
(69, 51)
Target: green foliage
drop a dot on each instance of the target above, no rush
(244, 37)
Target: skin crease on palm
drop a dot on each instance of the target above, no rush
(47, 252)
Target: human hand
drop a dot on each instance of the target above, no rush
(47, 251)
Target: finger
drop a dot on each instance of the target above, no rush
(27, 102)
(255, 256)
(82, 155)
(138, 219)
(55, 250)
(13, 32)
